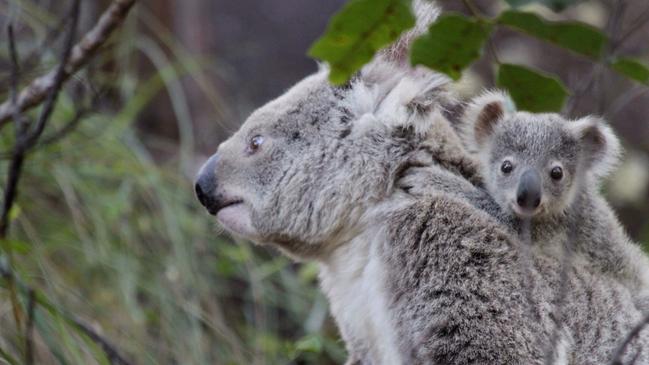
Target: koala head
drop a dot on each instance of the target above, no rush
(533, 164)
(302, 170)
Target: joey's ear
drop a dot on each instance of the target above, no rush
(484, 113)
(601, 148)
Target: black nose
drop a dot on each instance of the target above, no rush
(528, 195)
(206, 185)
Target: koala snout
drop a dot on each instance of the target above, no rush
(528, 195)
(205, 185)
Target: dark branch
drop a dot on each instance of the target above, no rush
(59, 77)
(111, 352)
(29, 329)
(82, 52)
(12, 178)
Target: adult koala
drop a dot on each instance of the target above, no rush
(371, 181)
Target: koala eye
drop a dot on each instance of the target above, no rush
(507, 167)
(254, 143)
(556, 173)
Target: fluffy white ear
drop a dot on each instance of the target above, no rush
(484, 113)
(390, 89)
(601, 148)
(426, 11)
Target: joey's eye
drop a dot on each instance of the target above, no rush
(507, 167)
(556, 173)
(254, 143)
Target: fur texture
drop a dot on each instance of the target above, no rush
(571, 207)
(370, 181)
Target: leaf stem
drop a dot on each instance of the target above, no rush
(473, 8)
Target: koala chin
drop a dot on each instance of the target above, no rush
(371, 181)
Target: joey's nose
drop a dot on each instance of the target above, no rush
(528, 195)
(206, 184)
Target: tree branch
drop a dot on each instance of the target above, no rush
(113, 355)
(29, 329)
(39, 88)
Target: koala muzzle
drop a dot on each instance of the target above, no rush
(205, 185)
(528, 195)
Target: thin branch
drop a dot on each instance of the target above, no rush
(112, 354)
(473, 8)
(39, 88)
(114, 357)
(70, 126)
(639, 23)
(586, 84)
(12, 179)
(29, 329)
(59, 77)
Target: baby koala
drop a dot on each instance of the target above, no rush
(547, 169)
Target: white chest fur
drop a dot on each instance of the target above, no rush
(353, 278)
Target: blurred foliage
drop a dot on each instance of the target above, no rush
(455, 41)
(109, 231)
(107, 228)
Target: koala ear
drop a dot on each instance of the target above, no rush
(484, 113)
(601, 148)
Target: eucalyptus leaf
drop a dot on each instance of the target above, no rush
(632, 69)
(451, 44)
(575, 36)
(532, 90)
(358, 31)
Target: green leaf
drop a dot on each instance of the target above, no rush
(556, 5)
(452, 43)
(310, 343)
(631, 69)
(575, 36)
(17, 246)
(358, 31)
(532, 90)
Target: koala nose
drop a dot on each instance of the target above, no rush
(528, 195)
(205, 185)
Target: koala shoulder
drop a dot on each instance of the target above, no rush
(445, 147)
(448, 262)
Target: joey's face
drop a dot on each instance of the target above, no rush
(533, 165)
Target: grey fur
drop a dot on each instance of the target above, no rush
(571, 208)
(418, 262)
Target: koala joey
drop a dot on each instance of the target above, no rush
(546, 169)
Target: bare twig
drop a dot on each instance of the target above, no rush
(635, 332)
(29, 329)
(114, 357)
(16, 163)
(586, 84)
(639, 23)
(39, 88)
(111, 352)
(59, 77)
(70, 126)
(24, 139)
